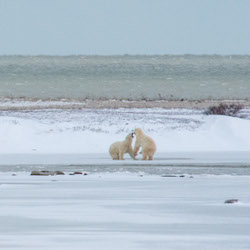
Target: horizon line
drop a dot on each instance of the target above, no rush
(125, 54)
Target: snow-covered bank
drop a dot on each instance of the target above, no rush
(92, 131)
(124, 211)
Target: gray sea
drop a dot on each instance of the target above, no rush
(167, 77)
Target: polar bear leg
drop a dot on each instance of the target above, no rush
(115, 156)
(151, 154)
(144, 156)
(151, 157)
(121, 156)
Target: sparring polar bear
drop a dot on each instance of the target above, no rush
(147, 143)
(119, 148)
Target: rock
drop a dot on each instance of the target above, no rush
(168, 175)
(85, 174)
(59, 173)
(77, 172)
(46, 173)
(182, 175)
(42, 173)
(231, 201)
(13, 174)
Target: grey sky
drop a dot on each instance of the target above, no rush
(63, 27)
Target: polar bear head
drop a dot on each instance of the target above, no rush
(129, 138)
(138, 132)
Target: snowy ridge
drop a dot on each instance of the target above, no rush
(92, 131)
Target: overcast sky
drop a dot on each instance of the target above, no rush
(65, 27)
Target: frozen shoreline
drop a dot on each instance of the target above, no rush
(103, 162)
(181, 163)
(124, 211)
(123, 204)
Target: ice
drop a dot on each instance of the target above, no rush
(124, 204)
(123, 211)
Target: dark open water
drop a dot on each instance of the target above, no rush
(125, 77)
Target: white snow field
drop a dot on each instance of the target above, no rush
(93, 130)
(124, 211)
(126, 204)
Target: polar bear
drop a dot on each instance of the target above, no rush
(147, 143)
(119, 148)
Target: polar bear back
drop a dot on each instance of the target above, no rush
(119, 148)
(115, 147)
(148, 143)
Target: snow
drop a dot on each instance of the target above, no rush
(123, 204)
(124, 211)
(93, 131)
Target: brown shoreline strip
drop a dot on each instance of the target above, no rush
(17, 105)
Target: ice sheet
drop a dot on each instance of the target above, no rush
(124, 211)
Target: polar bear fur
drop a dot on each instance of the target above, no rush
(147, 143)
(119, 148)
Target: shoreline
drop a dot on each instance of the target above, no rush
(20, 104)
(196, 162)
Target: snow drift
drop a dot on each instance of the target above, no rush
(92, 131)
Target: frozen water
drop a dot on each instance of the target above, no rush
(124, 204)
(124, 211)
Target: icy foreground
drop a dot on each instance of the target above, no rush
(93, 131)
(124, 211)
(124, 204)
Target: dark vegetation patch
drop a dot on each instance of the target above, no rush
(225, 109)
